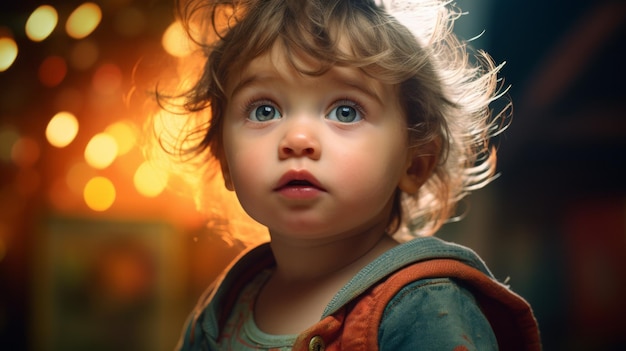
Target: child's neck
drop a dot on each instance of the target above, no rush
(308, 276)
(299, 261)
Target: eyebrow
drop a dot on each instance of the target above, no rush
(244, 83)
(337, 78)
(358, 85)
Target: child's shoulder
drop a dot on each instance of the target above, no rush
(447, 293)
(422, 249)
(446, 314)
(440, 289)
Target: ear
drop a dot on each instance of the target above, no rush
(419, 166)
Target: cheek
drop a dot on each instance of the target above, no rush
(373, 170)
(249, 161)
(244, 167)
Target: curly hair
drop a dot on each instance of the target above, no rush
(444, 91)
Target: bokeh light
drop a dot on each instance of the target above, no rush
(101, 151)
(175, 41)
(83, 20)
(150, 181)
(125, 135)
(41, 23)
(99, 193)
(78, 175)
(8, 137)
(25, 152)
(8, 53)
(62, 129)
(107, 79)
(84, 55)
(52, 71)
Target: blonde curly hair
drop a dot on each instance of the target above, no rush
(445, 92)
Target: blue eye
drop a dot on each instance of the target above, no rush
(345, 114)
(264, 113)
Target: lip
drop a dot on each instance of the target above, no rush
(299, 184)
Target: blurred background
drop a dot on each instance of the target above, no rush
(98, 252)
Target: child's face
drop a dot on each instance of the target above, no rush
(313, 157)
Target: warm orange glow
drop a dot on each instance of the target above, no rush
(25, 152)
(125, 274)
(99, 194)
(8, 53)
(27, 181)
(78, 175)
(170, 127)
(59, 196)
(41, 23)
(107, 79)
(125, 135)
(150, 181)
(62, 129)
(101, 151)
(52, 71)
(175, 40)
(84, 55)
(83, 20)
(69, 98)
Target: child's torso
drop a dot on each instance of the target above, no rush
(241, 331)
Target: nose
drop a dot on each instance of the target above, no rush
(300, 141)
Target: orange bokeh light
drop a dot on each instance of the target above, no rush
(25, 152)
(125, 135)
(62, 129)
(83, 20)
(175, 41)
(8, 137)
(8, 53)
(101, 151)
(77, 176)
(41, 23)
(150, 181)
(52, 71)
(99, 194)
(84, 55)
(107, 79)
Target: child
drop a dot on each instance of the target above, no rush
(350, 136)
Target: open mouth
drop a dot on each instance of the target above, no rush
(298, 180)
(299, 183)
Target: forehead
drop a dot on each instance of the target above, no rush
(279, 63)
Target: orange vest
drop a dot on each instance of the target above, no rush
(355, 327)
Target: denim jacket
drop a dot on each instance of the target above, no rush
(425, 294)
